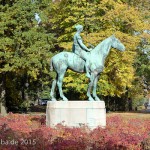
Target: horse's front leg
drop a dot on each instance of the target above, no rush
(95, 87)
(92, 78)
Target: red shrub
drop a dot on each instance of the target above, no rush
(26, 132)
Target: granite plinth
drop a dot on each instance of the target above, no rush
(76, 113)
(3, 110)
(148, 108)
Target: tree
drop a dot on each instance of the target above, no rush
(25, 48)
(141, 83)
(101, 19)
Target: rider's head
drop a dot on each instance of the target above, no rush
(79, 27)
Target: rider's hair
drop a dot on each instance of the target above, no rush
(78, 27)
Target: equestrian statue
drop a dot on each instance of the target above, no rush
(82, 60)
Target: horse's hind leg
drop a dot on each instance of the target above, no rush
(52, 93)
(94, 89)
(59, 84)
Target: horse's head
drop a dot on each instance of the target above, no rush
(117, 44)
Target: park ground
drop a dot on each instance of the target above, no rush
(136, 115)
(124, 131)
(142, 113)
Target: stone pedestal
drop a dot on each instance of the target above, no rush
(3, 110)
(148, 107)
(76, 113)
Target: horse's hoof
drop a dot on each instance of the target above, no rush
(91, 99)
(97, 99)
(65, 99)
(53, 99)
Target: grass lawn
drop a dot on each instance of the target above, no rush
(126, 115)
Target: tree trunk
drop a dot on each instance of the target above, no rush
(3, 108)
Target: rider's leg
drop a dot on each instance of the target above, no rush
(84, 55)
(87, 69)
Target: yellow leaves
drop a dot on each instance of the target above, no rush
(76, 82)
(70, 19)
(121, 15)
(33, 73)
(124, 77)
(145, 35)
(106, 4)
(66, 45)
(101, 21)
(69, 79)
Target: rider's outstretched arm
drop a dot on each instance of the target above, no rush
(83, 46)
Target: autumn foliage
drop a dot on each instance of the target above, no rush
(25, 132)
(26, 48)
(101, 19)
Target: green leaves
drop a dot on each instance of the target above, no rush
(25, 48)
(21, 36)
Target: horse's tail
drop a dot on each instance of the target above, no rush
(51, 65)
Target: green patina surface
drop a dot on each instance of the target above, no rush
(83, 60)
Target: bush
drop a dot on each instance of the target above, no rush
(26, 132)
(146, 143)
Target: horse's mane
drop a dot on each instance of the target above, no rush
(101, 45)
